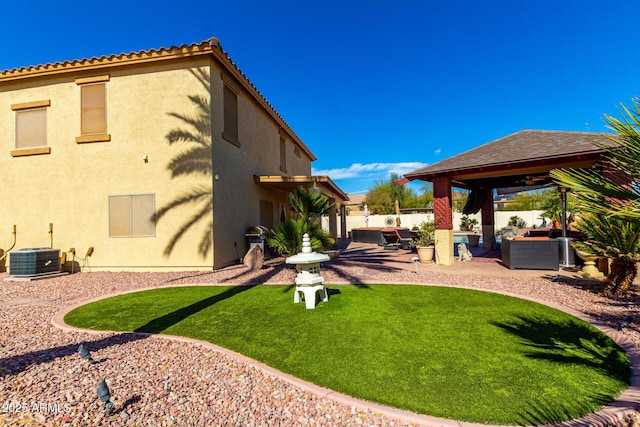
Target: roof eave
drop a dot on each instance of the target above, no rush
(322, 181)
(208, 47)
(550, 160)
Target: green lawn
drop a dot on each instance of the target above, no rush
(453, 353)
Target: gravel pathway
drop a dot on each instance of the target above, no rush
(158, 382)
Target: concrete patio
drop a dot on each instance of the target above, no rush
(485, 262)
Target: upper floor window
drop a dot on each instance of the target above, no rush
(230, 102)
(31, 128)
(93, 109)
(283, 155)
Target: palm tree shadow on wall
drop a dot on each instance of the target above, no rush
(192, 161)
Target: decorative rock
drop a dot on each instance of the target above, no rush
(254, 259)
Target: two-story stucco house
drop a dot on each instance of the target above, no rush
(159, 160)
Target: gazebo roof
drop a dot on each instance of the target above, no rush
(521, 159)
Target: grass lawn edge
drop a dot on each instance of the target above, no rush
(625, 404)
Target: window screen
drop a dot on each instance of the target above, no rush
(94, 109)
(132, 215)
(31, 128)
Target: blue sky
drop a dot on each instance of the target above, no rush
(374, 87)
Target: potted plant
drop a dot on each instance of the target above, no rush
(467, 223)
(425, 241)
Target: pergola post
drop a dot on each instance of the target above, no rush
(443, 215)
(488, 219)
(343, 221)
(333, 220)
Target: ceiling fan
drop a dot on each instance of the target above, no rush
(535, 179)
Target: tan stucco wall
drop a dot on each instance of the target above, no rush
(236, 196)
(70, 187)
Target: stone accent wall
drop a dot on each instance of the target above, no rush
(444, 247)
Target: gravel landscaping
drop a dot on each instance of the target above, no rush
(159, 382)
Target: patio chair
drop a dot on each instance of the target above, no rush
(397, 238)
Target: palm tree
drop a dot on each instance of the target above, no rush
(309, 204)
(552, 207)
(617, 193)
(195, 160)
(613, 238)
(287, 236)
(613, 199)
(308, 207)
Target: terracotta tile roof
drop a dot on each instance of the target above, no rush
(111, 60)
(356, 199)
(520, 147)
(207, 47)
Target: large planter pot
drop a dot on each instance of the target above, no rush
(589, 270)
(425, 253)
(474, 240)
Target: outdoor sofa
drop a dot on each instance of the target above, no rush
(535, 253)
(368, 235)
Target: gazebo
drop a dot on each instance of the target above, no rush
(521, 160)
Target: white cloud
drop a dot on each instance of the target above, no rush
(438, 151)
(370, 170)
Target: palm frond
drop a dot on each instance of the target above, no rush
(202, 75)
(320, 239)
(286, 238)
(202, 102)
(198, 216)
(196, 160)
(194, 196)
(206, 242)
(609, 236)
(309, 204)
(618, 193)
(177, 136)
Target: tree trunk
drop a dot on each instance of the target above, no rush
(623, 271)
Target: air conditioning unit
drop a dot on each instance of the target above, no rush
(34, 261)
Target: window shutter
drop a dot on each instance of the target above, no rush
(94, 111)
(31, 128)
(283, 155)
(230, 113)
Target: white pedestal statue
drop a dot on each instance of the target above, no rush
(308, 281)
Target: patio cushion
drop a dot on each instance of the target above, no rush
(531, 238)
